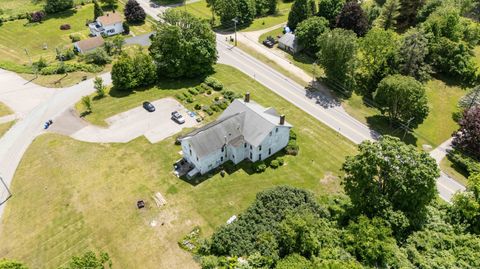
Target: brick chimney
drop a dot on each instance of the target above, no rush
(282, 119)
(247, 97)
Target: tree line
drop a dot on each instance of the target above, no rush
(389, 218)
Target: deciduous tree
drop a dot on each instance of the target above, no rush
(134, 13)
(329, 9)
(390, 174)
(403, 99)
(376, 59)
(183, 46)
(466, 205)
(337, 57)
(241, 10)
(97, 10)
(301, 10)
(54, 6)
(352, 17)
(467, 139)
(309, 30)
(99, 87)
(90, 260)
(110, 3)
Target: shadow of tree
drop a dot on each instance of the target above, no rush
(381, 124)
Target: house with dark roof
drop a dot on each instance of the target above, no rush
(86, 45)
(109, 24)
(245, 130)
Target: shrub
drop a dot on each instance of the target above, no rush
(280, 161)
(54, 6)
(65, 27)
(180, 97)
(187, 95)
(274, 164)
(126, 28)
(190, 100)
(40, 64)
(62, 68)
(66, 55)
(198, 106)
(193, 91)
(36, 16)
(217, 98)
(206, 87)
(292, 148)
(464, 162)
(208, 110)
(293, 135)
(223, 105)
(215, 108)
(74, 38)
(98, 57)
(209, 92)
(200, 89)
(259, 167)
(214, 83)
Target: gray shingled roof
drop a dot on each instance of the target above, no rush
(240, 122)
(288, 39)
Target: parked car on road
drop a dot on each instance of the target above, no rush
(148, 106)
(176, 117)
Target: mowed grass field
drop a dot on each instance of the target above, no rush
(14, 7)
(70, 196)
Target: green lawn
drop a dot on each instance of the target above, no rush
(88, 200)
(5, 110)
(455, 172)
(4, 127)
(201, 10)
(14, 7)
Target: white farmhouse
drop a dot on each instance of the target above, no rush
(108, 24)
(245, 130)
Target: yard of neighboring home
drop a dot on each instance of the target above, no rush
(18, 37)
(89, 200)
(201, 10)
(456, 173)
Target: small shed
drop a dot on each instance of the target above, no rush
(289, 43)
(84, 46)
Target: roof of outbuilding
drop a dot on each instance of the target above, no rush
(90, 43)
(110, 18)
(240, 122)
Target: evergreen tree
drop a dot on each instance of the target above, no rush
(301, 10)
(412, 55)
(97, 10)
(134, 13)
(389, 14)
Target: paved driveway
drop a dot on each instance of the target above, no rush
(128, 125)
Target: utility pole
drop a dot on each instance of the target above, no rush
(235, 21)
(31, 63)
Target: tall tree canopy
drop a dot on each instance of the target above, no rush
(466, 205)
(242, 10)
(183, 46)
(134, 13)
(329, 9)
(402, 99)
(412, 55)
(352, 17)
(376, 59)
(301, 10)
(309, 30)
(408, 12)
(389, 15)
(110, 3)
(265, 7)
(97, 10)
(337, 57)
(54, 6)
(390, 174)
(130, 72)
(467, 139)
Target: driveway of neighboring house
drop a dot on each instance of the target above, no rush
(128, 125)
(142, 40)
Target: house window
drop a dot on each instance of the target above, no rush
(269, 151)
(111, 31)
(233, 157)
(260, 147)
(251, 147)
(276, 130)
(251, 157)
(197, 158)
(270, 133)
(190, 152)
(245, 145)
(259, 156)
(221, 159)
(223, 148)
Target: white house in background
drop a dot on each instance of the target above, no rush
(108, 24)
(86, 45)
(245, 130)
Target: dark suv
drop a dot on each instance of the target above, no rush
(148, 106)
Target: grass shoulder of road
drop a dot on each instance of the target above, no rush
(5, 110)
(88, 200)
(4, 127)
(454, 172)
